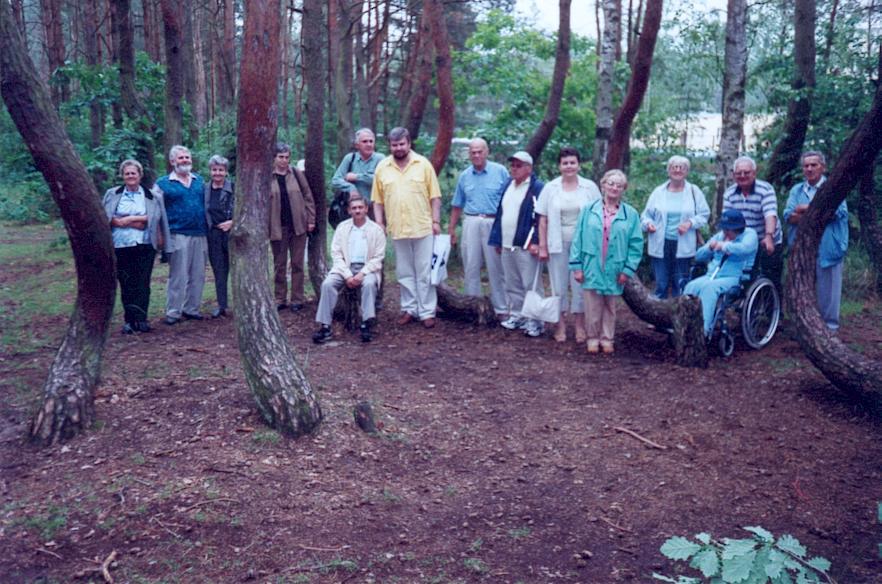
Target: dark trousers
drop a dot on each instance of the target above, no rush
(219, 257)
(134, 266)
(771, 266)
(670, 270)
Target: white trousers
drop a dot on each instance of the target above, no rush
(413, 267)
(519, 267)
(562, 279)
(473, 248)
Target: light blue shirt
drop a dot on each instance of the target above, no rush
(130, 204)
(358, 245)
(363, 168)
(478, 192)
(834, 241)
(736, 257)
(672, 202)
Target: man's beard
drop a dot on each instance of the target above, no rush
(398, 155)
(183, 168)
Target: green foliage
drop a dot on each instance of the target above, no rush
(759, 559)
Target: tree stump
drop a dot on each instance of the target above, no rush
(364, 417)
(348, 309)
(471, 309)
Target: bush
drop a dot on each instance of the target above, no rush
(26, 202)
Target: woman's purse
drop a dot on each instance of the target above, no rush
(539, 308)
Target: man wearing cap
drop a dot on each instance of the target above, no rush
(730, 252)
(757, 202)
(477, 197)
(407, 203)
(515, 235)
(834, 241)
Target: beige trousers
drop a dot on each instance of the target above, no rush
(600, 316)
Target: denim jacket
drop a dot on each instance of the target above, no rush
(736, 257)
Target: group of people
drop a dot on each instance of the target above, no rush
(513, 224)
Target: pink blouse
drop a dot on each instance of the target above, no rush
(608, 217)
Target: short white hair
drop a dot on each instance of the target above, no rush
(174, 150)
(744, 160)
(361, 131)
(676, 159)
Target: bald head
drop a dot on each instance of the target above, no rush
(478, 152)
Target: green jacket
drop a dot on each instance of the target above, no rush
(622, 256)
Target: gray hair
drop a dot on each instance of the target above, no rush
(398, 134)
(174, 150)
(218, 160)
(614, 173)
(809, 153)
(361, 131)
(744, 160)
(282, 148)
(130, 162)
(676, 159)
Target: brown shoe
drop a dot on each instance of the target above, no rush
(429, 322)
(405, 318)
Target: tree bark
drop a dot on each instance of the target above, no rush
(871, 234)
(343, 75)
(734, 82)
(784, 163)
(68, 398)
(364, 117)
(173, 22)
(54, 33)
(152, 26)
(605, 79)
(620, 139)
(312, 26)
(200, 85)
(283, 394)
(471, 309)
(444, 76)
(845, 368)
(227, 64)
(93, 58)
(558, 80)
(416, 107)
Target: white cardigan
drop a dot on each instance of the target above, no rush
(694, 208)
(376, 241)
(548, 204)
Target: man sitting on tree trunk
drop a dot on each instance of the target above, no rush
(357, 253)
(834, 242)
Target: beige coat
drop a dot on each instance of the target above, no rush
(376, 241)
(302, 204)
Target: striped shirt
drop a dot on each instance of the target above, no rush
(756, 206)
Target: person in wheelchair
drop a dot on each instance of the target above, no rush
(730, 253)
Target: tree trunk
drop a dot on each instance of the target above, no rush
(68, 400)
(200, 86)
(416, 107)
(871, 234)
(471, 309)
(681, 315)
(444, 76)
(558, 80)
(54, 33)
(364, 118)
(173, 22)
(93, 58)
(620, 139)
(282, 392)
(188, 63)
(831, 29)
(312, 27)
(784, 163)
(343, 74)
(605, 79)
(227, 64)
(152, 26)
(734, 82)
(843, 367)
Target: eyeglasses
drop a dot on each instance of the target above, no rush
(744, 172)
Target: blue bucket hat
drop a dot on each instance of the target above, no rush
(732, 219)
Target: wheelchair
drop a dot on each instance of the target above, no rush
(756, 303)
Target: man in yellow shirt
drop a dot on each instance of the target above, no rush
(407, 204)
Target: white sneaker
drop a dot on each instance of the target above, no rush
(513, 323)
(533, 328)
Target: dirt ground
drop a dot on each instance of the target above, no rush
(500, 459)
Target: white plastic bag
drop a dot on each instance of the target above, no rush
(539, 308)
(440, 255)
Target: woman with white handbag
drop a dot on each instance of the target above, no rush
(558, 208)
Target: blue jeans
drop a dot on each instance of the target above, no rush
(670, 271)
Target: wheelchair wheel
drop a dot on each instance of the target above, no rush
(726, 344)
(761, 313)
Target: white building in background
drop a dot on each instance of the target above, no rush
(700, 134)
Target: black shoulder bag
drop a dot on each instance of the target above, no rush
(338, 210)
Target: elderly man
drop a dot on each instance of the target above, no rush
(757, 202)
(291, 219)
(407, 200)
(356, 171)
(477, 196)
(834, 241)
(357, 253)
(182, 191)
(516, 236)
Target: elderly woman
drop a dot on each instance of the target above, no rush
(606, 250)
(674, 213)
(139, 228)
(219, 203)
(558, 207)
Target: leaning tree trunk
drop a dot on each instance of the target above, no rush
(620, 138)
(734, 82)
(846, 369)
(68, 401)
(471, 309)
(444, 76)
(871, 234)
(605, 79)
(558, 80)
(681, 315)
(282, 391)
(785, 157)
(312, 26)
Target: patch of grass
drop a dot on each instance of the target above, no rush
(476, 565)
(48, 523)
(338, 565)
(266, 437)
(475, 546)
(138, 458)
(519, 532)
(784, 364)
(156, 371)
(851, 307)
(390, 496)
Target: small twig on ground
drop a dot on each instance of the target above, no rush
(615, 525)
(165, 527)
(51, 553)
(646, 441)
(321, 549)
(627, 551)
(385, 405)
(209, 501)
(799, 494)
(105, 567)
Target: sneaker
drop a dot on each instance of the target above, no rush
(322, 335)
(128, 329)
(533, 328)
(367, 335)
(171, 320)
(513, 323)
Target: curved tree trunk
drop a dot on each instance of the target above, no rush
(785, 158)
(472, 309)
(444, 75)
(416, 106)
(561, 68)
(620, 139)
(282, 391)
(68, 401)
(846, 369)
(871, 233)
(312, 25)
(605, 80)
(734, 82)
